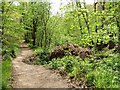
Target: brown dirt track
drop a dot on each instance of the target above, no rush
(34, 76)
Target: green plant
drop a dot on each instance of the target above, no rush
(55, 64)
(6, 73)
(101, 74)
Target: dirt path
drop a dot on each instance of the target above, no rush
(34, 76)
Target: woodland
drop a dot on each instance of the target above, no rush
(82, 42)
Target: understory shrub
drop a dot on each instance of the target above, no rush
(43, 55)
(103, 73)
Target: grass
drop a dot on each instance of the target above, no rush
(6, 73)
(7, 67)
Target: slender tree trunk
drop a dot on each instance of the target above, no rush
(85, 16)
(118, 25)
(45, 30)
(34, 32)
(86, 19)
(79, 21)
(41, 39)
(96, 28)
(2, 27)
(103, 19)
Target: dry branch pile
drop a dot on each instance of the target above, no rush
(71, 49)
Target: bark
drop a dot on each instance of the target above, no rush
(34, 32)
(118, 25)
(103, 19)
(2, 27)
(79, 21)
(86, 19)
(96, 28)
(85, 16)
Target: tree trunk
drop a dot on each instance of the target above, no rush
(34, 32)
(79, 21)
(96, 28)
(2, 27)
(103, 19)
(118, 25)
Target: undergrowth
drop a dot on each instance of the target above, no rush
(6, 73)
(92, 72)
(8, 56)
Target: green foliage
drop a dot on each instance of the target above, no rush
(101, 74)
(12, 31)
(83, 27)
(43, 55)
(55, 64)
(106, 75)
(79, 24)
(37, 51)
(6, 73)
(36, 21)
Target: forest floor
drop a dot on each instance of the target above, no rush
(33, 76)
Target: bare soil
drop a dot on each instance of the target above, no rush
(33, 76)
